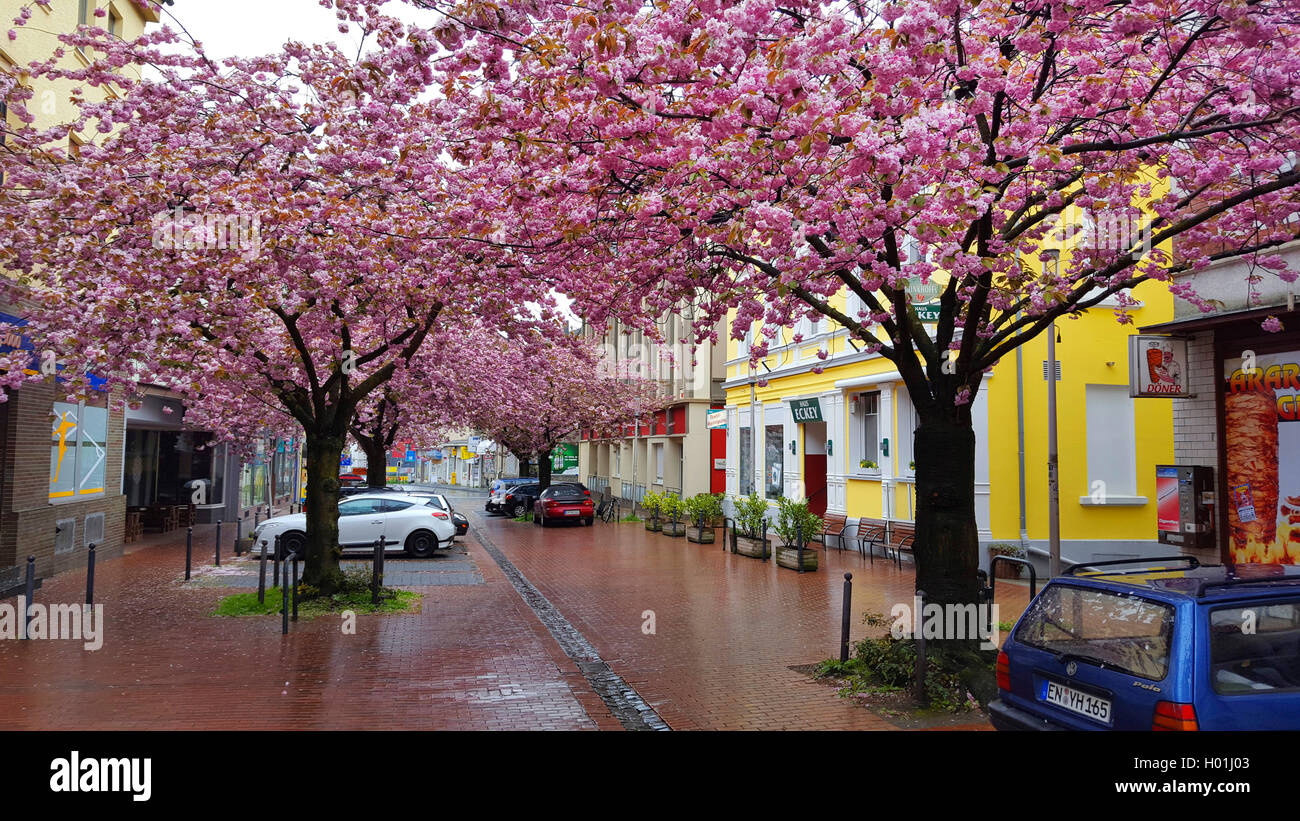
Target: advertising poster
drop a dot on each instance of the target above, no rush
(1167, 513)
(1262, 445)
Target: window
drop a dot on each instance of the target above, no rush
(746, 459)
(391, 505)
(359, 507)
(114, 22)
(618, 460)
(869, 453)
(1252, 648)
(85, 10)
(659, 463)
(1111, 448)
(79, 434)
(773, 478)
(743, 345)
(1128, 633)
(907, 424)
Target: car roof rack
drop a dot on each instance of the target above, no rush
(1191, 562)
(1240, 582)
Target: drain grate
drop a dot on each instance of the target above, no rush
(623, 701)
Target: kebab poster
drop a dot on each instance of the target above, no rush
(1262, 443)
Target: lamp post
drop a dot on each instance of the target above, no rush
(1053, 467)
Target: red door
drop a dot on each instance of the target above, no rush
(814, 467)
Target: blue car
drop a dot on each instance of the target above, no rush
(1155, 644)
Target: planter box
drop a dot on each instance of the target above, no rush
(753, 548)
(1005, 570)
(651, 524)
(788, 556)
(674, 528)
(699, 535)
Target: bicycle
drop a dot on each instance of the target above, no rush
(608, 510)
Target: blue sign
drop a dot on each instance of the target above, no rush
(410, 456)
(13, 340)
(346, 462)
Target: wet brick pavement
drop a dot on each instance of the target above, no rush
(477, 655)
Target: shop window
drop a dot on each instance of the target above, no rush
(78, 450)
(774, 472)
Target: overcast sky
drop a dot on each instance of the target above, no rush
(250, 27)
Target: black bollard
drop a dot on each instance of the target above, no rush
(90, 573)
(844, 617)
(295, 587)
(239, 532)
(218, 556)
(374, 572)
(189, 550)
(276, 557)
(261, 576)
(28, 592)
(284, 610)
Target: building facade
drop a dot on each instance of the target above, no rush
(672, 450)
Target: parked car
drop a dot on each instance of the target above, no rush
(518, 500)
(413, 524)
(1139, 645)
(497, 491)
(564, 502)
(457, 519)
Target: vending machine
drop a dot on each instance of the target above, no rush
(1185, 505)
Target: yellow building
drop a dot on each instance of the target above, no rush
(842, 438)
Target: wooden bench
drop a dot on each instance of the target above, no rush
(834, 525)
(895, 536)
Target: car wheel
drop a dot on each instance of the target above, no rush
(293, 543)
(421, 544)
(520, 509)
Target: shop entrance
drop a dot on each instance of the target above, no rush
(814, 466)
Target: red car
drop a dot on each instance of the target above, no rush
(564, 502)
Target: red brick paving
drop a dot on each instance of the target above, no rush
(473, 658)
(728, 627)
(476, 657)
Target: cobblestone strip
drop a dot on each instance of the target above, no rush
(622, 700)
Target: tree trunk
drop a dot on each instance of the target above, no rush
(947, 538)
(377, 464)
(322, 456)
(543, 469)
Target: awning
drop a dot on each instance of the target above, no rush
(1206, 322)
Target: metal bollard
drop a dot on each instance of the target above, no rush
(29, 591)
(374, 572)
(239, 532)
(284, 610)
(218, 555)
(295, 587)
(276, 557)
(189, 550)
(920, 653)
(844, 617)
(261, 576)
(90, 573)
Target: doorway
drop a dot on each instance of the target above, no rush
(814, 466)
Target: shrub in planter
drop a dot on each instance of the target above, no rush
(672, 509)
(795, 522)
(751, 514)
(1007, 570)
(702, 511)
(652, 504)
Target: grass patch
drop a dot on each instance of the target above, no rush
(631, 517)
(527, 517)
(354, 595)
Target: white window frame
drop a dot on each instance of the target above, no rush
(78, 451)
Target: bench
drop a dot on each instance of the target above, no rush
(834, 525)
(895, 536)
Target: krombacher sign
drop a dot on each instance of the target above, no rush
(806, 410)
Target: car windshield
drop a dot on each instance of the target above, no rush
(1255, 648)
(567, 493)
(1128, 633)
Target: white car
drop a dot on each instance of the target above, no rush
(417, 525)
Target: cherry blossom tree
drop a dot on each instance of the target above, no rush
(766, 157)
(276, 233)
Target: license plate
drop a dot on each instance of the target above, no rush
(572, 512)
(1076, 701)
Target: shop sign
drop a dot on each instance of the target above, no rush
(806, 410)
(715, 419)
(1261, 405)
(1157, 366)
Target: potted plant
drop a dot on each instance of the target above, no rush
(703, 510)
(652, 504)
(751, 528)
(672, 508)
(1006, 570)
(869, 464)
(796, 524)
